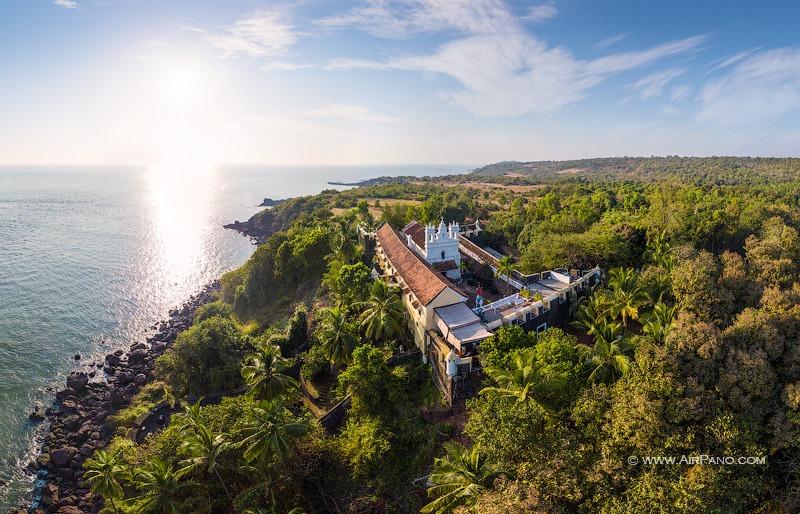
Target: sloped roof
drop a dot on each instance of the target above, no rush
(416, 230)
(460, 325)
(419, 276)
(445, 265)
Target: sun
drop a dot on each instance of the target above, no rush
(181, 84)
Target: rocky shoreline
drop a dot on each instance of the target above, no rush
(79, 421)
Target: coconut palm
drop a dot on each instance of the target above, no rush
(344, 248)
(659, 251)
(189, 419)
(106, 474)
(627, 295)
(383, 314)
(267, 433)
(262, 372)
(609, 357)
(592, 312)
(659, 323)
(525, 381)
(203, 451)
(160, 486)
(505, 267)
(337, 335)
(459, 478)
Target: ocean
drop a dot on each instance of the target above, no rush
(91, 257)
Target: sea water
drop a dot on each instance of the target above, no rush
(91, 257)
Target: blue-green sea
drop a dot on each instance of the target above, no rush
(91, 257)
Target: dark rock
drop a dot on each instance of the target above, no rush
(124, 378)
(49, 494)
(109, 370)
(37, 416)
(69, 509)
(140, 380)
(43, 460)
(117, 400)
(62, 456)
(77, 356)
(64, 393)
(137, 357)
(65, 473)
(77, 381)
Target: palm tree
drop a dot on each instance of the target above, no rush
(609, 357)
(204, 452)
(659, 251)
(383, 315)
(627, 295)
(267, 434)
(159, 485)
(659, 323)
(525, 381)
(105, 475)
(459, 477)
(189, 419)
(345, 249)
(505, 267)
(262, 372)
(337, 334)
(592, 312)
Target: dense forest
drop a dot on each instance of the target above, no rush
(689, 350)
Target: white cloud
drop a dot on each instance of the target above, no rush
(398, 19)
(350, 113)
(264, 33)
(512, 73)
(193, 29)
(541, 13)
(652, 86)
(679, 93)
(759, 88)
(503, 70)
(277, 65)
(69, 4)
(729, 61)
(605, 43)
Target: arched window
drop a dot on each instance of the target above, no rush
(442, 254)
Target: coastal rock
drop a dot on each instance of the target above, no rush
(60, 457)
(124, 378)
(137, 357)
(140, 380)
(65, 393)
(78, 381)
(37, 416)
(69, 509)
(49, 494)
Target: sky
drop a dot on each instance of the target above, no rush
(395, 81)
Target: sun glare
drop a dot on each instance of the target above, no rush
(181, 85)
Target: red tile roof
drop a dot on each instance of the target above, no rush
(416, 230)
(445, 265)
(419, 276)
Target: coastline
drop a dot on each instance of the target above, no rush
(78, 417)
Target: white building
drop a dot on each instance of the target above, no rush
(440, 248)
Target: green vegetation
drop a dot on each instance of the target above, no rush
(689, 348)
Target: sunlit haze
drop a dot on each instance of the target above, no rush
(394, 81)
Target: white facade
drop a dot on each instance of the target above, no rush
(440, 246)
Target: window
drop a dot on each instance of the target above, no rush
(442, 254)
(541, 328)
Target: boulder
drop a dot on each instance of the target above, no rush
(124, 378)
(140, 379)
(78, 381)
(69, 509)
(137, 357)
(65, 393)
(37, 416)
(60, 457)
(49, 494)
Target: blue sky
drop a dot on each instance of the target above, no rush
(395, 81)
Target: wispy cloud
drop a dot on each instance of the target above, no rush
(653, 85)
(758, 88)
(605, 43)
(69, 4)
(512, 73)
(399, 19)
(539, 13)
(276, 65)
(351, 113)
(193, 29)
(729, 61)
(263, 33)
(680, 92)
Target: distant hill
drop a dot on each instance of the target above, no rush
(699, 170)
